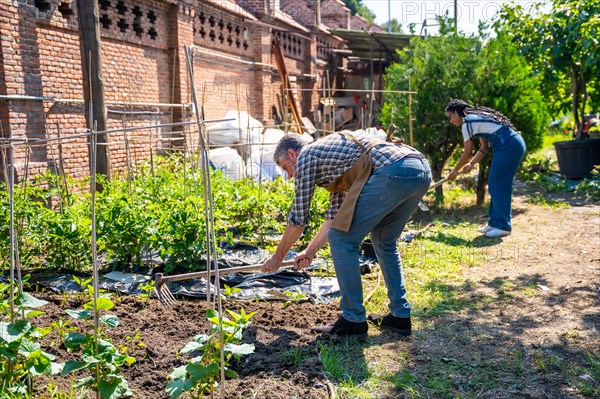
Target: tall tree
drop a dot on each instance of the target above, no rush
(357, 7)
(396, 26)
(443, 67)
(439, 68)
(562, 46)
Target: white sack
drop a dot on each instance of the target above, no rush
(227, 160)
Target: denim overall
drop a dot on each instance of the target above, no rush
(508, 151)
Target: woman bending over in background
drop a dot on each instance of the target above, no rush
(494, 130)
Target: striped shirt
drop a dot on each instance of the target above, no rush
(322, 162)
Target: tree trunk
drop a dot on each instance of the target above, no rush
(93, 86)
(583, 90)
(575, 90)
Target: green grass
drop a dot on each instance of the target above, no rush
(436, 266)
(538, 199)
(296, 355)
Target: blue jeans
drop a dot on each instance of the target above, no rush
(385, 204)
(508, 151)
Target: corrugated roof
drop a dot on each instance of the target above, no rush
(367, 45)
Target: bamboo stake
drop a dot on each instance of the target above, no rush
(208, 211)
(57, 180)
(62, 166)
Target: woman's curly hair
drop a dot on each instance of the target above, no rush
(463, 108)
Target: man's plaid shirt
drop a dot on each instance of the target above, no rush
(325, 160)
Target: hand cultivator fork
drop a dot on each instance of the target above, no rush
(165, 296)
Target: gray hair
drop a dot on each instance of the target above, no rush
(289, 142)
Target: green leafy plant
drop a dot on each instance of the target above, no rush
(201, 374)
(62, 327)
(23, 358)
(590, 187)
(134, 339)
(229, 291)
(67, 239)
(124, 226)
(155, 210)
(294, 297)
(100, 358)
(147, 289)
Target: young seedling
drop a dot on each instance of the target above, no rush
(23, 358)
(294, 297)
(147, 288)
(200, 376)
(229, 291)
(100, 358)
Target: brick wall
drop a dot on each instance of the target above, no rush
(144, 63)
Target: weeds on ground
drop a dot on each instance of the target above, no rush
(537, 199)
(543, 172)
(296, 355)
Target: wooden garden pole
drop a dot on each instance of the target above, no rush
(93, 85)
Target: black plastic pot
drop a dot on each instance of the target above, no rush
(576, 158)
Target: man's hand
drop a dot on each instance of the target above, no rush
(273, 264)
(303, 259)
(452, 175)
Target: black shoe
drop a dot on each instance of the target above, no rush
(401, 325)
(344, 328)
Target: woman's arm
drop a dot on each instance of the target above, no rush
(464, 158)
(483, 149)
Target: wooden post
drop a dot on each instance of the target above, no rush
(93, 86)
(410, 117)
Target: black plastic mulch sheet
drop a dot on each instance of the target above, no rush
(285, 284)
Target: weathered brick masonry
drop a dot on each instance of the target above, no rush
(144, 69)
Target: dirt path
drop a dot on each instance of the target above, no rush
(520, 327)
(540, 296)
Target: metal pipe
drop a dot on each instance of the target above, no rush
(18, 97)
(119, 130)
(364, 91)
(114, 111)
(254, 63)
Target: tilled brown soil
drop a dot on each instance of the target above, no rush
(267, 373)
(520, 326)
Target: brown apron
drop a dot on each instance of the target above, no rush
(353, 180)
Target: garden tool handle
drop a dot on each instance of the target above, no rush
(438, 183)
(228, 270)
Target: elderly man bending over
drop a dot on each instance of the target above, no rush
(375, 187)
